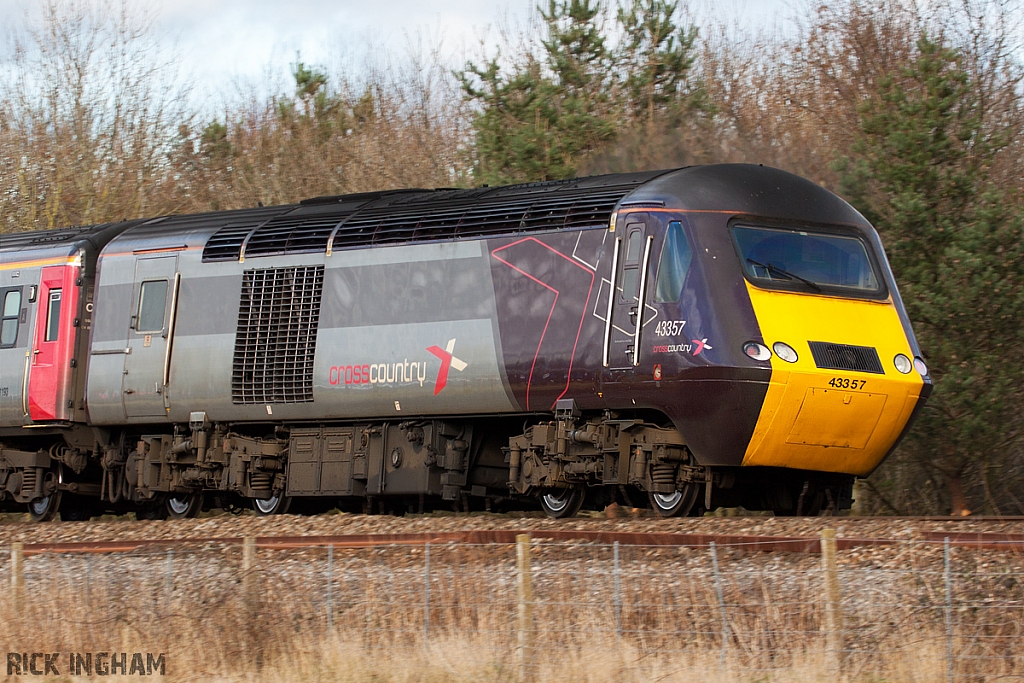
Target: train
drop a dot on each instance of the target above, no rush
(686, 339)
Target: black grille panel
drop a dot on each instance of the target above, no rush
(226, 243)
(397, 217)
(830, 356)
(276, 340)
(291, 235)
(480, 219)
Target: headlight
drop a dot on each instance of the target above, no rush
(757, 351)
(785, 352)
(920, 366)
(902, 363)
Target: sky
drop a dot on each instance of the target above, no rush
(224, 43)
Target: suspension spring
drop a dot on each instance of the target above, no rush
(28, 479)
(260, 481)
(663, 474)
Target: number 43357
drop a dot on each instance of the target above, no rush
(847, 383)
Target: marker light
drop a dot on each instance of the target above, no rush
(920, 366)
(902, 363)
(785, 352)
(757, 351)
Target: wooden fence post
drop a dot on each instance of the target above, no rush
(18, 575)
(833, 604)
(525, 602)
(249, 571)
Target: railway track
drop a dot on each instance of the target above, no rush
(752, 543)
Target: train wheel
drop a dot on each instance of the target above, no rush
(46, 508)
(561, 503)
(676, 504)
(75, 514)
(275, 505)
(160, 510)
(184, 505)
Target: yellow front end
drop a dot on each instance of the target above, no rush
(830, 420)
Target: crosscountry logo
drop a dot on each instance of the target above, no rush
(448, 360)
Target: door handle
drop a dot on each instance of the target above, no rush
(129, 391)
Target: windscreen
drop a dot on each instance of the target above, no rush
(815, 261)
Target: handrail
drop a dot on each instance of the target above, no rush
(611, 302)
(24, 384)
(170, 331)
(641, 301)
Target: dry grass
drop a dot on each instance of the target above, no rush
(271, 625)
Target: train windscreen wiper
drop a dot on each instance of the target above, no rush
(786, 274)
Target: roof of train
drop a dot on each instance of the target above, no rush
(402, 216)
(61, 241)
(326, 224)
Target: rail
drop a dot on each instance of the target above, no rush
(752, 543)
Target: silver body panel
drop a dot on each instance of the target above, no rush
(381, 310)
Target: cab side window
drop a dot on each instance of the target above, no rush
(631, 262)
(10, 318)
(674, 265)
(152, 302)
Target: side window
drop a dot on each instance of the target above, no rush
(631, 262)
(53, 316)
(633, 246)
(9, 320)
(152, 302)
(675, 263)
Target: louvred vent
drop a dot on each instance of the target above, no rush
(291, 235)
(830, 356)
(226, 244)
(276, 339)
(396, 217)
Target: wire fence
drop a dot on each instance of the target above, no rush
(858, 614)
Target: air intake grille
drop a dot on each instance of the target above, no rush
(276, 339)
(578, 209)
(396, 217)
(843, 357)
(226, 243)
(291, 235)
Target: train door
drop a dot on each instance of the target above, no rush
(629, 285)
(53, 344)
(150, 334)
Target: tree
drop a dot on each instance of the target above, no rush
(920, 172)
(584, 100)
(89, 105)
(657, 59)
(538, 119)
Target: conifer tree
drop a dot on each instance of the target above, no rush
(541, 116)
(656, 59)
(920, 174)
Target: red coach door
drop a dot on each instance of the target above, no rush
(53, 344)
